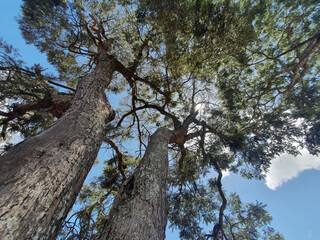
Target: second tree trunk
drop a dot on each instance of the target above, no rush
(139, 210)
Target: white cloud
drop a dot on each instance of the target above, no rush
(287, 167)
(225, 173)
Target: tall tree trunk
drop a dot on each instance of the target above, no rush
(140, 208)
(41, 177)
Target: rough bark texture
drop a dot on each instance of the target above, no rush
(140, 208)
(41, 177)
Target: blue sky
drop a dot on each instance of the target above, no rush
(291, 190)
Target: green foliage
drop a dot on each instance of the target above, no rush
(248, 221)
(189, 207)
(196, 204)
(52, 27)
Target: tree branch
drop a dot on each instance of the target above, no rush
(130, 75)
(33, 74)
(120, 157)
(175, 120)
(219, 226)
(316, 36)
(58, 104)
(62, 86)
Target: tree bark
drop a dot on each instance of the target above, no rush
(139, 210)
(41, 177)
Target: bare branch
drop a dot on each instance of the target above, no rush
(120, 157)
(62, 86)
(219, 226)
(175, 120)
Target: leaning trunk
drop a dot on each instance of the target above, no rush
(140, 208)
(41, 177)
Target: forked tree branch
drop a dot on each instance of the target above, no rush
(58, 104)
(130, 76)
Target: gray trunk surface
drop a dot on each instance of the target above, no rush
(41, 177)
(139, 211)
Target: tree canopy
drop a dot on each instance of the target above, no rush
(238, 81)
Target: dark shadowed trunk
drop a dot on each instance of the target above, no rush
(140, 208)
(41, 177)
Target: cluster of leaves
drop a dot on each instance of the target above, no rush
(248, 221)
(47, 26)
